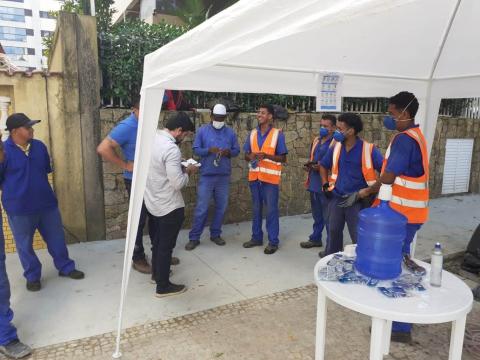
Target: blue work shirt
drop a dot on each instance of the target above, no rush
(24, 179)
(125, 135)
(281, 148)
(225, 138)
(315, 184)
(405, 157)
(350, 176)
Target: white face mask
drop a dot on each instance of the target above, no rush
(218, 124)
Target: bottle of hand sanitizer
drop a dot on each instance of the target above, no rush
(436, 266)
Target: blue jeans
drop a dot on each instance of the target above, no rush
(49, 224)
(216, 187)
(337, 217)
(8, 332)
(320, 215)
(265, 194)
(411, 231)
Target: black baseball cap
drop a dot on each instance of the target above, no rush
(17, 120)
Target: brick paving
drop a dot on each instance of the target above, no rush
(277, 326)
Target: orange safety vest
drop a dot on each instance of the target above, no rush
(367, 164)
(267, 170)
(315, 143)
(410, 195)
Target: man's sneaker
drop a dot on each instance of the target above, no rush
(251, 243)
(174, 261)
(15, 350)
(34, 285)
(171, 289)
(401, 337)
(413, 266)
(270, 249)
(218, 240)
(152, 278)
(142, 265)
(192, 244)
(310, 244)
(74, 274)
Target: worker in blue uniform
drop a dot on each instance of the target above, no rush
(265, 150)
(318, 201)
(9, 343)
(30, 202)
(216, 144)
(353, 164)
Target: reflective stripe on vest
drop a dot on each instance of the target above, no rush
(410, 195)
(267, 170)
(368, 170)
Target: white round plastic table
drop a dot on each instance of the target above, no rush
(450, 302)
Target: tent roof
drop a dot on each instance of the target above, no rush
(286, 42)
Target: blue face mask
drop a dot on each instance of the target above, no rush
(323, 132)
(338, 136)
(389, 122)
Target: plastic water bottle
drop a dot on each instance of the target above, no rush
(381, 232)
(436, 266)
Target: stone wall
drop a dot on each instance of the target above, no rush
(454, 128)
(299, 131)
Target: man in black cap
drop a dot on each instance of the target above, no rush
(30, 203)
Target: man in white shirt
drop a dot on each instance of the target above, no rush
(163, 198)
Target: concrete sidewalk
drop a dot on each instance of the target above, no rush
(66, 309)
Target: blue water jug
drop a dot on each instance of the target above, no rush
(381, 233)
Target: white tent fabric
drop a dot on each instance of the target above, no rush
(428, 47)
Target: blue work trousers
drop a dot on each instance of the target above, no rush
(8, 332)
(216, 187)
(337, 217)
(320, 216)
(265, 194)
(411, 231)
(49, 224)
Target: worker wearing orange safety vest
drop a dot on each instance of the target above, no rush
(265, 150)
(318, 201)
(406, 169)
(353, 164)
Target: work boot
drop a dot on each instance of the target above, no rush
(34, 285)
(192, 244)
(310, 244)
(174, 261)
(218, 240)
(15, 350)
(251, 243)
(74, 274)
(321, 254)
(142, 265)
(401, 337)
(412, 266)
(171, 289)
(270, 249)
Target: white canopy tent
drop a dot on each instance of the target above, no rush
(428, 47)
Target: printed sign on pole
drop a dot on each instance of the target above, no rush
(329, 94)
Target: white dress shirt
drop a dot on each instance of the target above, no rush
(165, 176)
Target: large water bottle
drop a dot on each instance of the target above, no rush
(381, 233)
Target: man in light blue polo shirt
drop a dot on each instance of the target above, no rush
(30, 203)
(124, 136)
(216, 144)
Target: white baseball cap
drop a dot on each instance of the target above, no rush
(219, 109)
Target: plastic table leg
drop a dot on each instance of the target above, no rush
(377, 338)
(387, 336)
(456, 338)
(321, 323)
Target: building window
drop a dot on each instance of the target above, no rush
(30, 51)
(13, 33)
(46, 33)
(46, 15)
(12, 14)
(15, 53)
